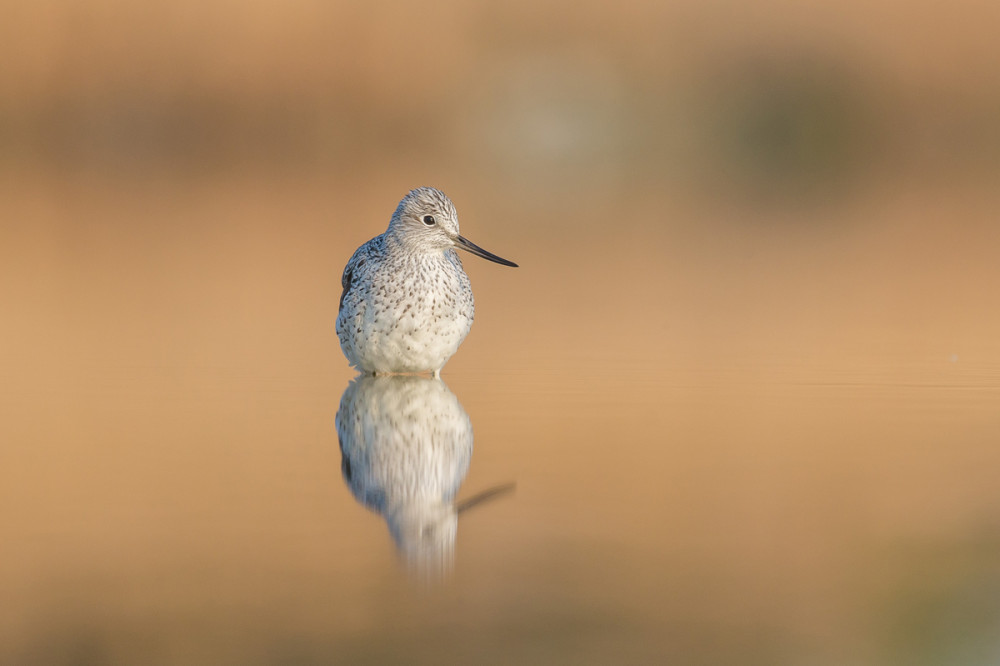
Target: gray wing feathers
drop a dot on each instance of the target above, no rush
(347, 281)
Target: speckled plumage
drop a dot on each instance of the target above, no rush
(407, 303)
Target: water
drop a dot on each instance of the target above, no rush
(176, 514)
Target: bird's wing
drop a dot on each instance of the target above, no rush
(347, 281)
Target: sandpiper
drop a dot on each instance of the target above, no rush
(407, 303)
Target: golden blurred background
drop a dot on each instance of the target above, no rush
(758, 248)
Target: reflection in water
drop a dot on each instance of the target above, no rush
(406, 443)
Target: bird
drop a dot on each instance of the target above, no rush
(407, 303)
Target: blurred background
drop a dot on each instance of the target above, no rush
(747, 377)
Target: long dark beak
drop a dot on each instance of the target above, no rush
(469, 246)
(485, 496)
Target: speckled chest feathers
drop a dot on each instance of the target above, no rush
(403, 312)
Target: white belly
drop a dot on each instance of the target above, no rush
(414, 324)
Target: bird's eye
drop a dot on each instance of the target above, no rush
(429, 220)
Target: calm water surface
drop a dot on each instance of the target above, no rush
(746, 515)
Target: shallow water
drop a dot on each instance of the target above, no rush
(181, 514)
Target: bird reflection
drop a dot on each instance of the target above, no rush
(406, 444)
